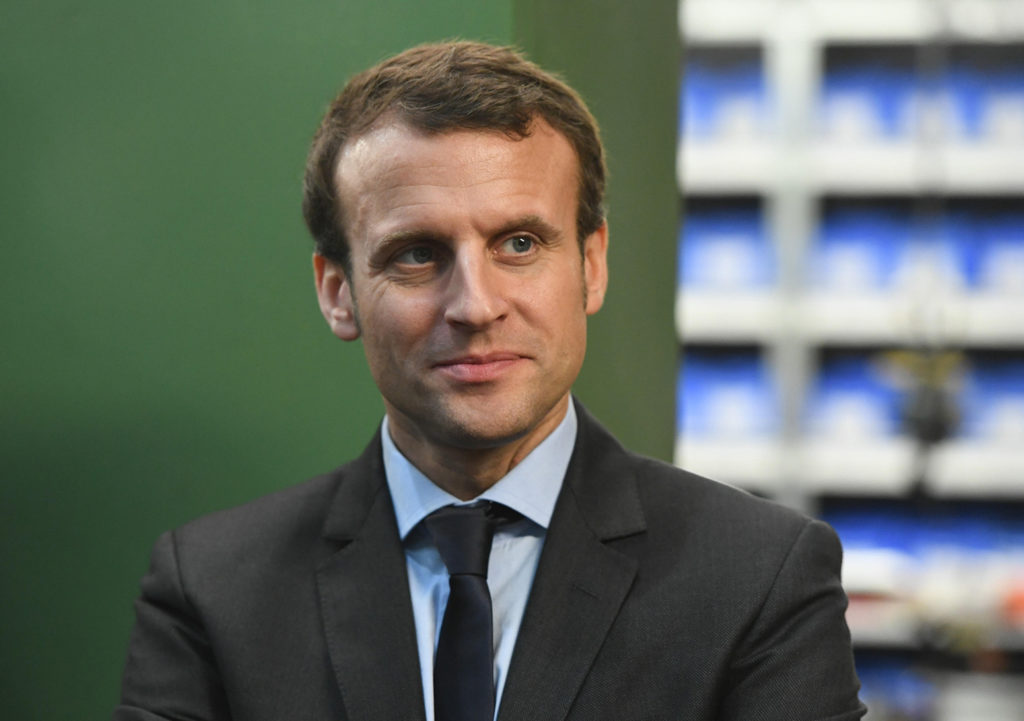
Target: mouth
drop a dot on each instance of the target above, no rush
(480, 368)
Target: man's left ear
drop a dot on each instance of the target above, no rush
(595, 268)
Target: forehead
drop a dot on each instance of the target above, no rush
(396, 170)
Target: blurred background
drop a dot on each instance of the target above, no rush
(850, 314)
(839, 181)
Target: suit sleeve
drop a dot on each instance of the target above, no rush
(796, 663)
(170, 672)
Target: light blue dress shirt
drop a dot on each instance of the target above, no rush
(530, 488)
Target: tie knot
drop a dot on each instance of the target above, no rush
(463, 536)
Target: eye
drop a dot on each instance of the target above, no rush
(417, 255)
(518, 244)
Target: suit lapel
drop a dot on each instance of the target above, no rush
(581, 582)
(364, 599)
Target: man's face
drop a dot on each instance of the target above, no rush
(468, 287)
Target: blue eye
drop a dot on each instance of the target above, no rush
(519, 244)
(417, 255)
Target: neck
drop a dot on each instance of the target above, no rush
(466, 472)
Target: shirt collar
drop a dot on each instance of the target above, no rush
(531, 488)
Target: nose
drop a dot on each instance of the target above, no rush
(475, 298)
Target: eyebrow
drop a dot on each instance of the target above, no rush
(532, 223)
(401, 237)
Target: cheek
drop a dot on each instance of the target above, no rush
(393, 324)
(570, 293)
(560, 310)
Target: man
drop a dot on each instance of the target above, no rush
(455, 196)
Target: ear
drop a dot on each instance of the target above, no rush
(595, 268)
(335, 295)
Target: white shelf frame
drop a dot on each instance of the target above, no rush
(967, 320)
(905, 21)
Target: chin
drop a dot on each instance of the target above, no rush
(483, 424)
(492, 424)
(483, 434)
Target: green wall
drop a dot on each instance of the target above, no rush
(163, 354)
(623, 57)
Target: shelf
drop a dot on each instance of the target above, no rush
(877, 468)
(1000, 21)
(978, 696)
(871, 168)
(994, 320)
(727, 316)
(882, 622)
(726, 21)
(906, 21)
(894, 624)
(883, 467)
(965, 468)
(982, 167)
(854, 168)
(856, 319)
(971, 320)
(850, 319)
(872, 575)
(754, 465)
(723, 166)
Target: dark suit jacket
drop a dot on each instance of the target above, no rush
(659, 595)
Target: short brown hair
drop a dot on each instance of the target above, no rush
(443, 87)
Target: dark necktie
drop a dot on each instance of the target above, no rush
(463, 665)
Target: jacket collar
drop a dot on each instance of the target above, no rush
(364, 598)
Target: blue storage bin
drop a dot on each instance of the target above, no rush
(726, 394)
(726, 248)
(853, 399)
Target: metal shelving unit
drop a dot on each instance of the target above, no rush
(784, 147)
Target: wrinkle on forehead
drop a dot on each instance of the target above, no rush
(378, 165)
(360, 154)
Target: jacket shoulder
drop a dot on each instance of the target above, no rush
(288, 511)
(670, 496)
(689, 495)
(298, 512)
